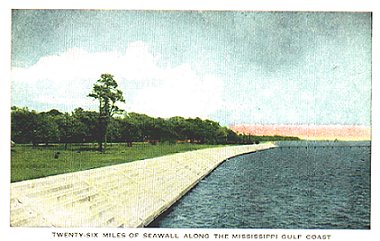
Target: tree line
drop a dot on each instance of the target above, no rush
(82, 126)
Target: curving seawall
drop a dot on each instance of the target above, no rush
(125, 195)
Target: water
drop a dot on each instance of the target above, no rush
(322, 185)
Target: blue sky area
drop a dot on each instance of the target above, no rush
(231, 67)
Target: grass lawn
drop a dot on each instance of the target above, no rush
(30, 163)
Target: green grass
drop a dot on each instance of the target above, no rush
(30, 163)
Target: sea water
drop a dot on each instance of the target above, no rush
(299, 185)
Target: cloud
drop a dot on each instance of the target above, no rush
(182, 93)
(65, 79)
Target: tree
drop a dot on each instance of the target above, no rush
(179, 127)
(130, 130)
(30, 126)
(23, 124)
(70, 129)
(87, 126)
(143, 123)
(46, 129)
(163, 131)
(106, 92)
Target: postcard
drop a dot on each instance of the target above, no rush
(158, 123)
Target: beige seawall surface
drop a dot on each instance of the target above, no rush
(125, 195)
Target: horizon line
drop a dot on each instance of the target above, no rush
(298, 125)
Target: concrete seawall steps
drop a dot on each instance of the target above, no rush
(125, 195)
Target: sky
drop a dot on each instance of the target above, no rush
(232, 67)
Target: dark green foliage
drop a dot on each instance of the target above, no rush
(106, 92)
(274, 138)
(32, 127)
(87, 126)
(82, 126)
(23, 125)
(46, 129)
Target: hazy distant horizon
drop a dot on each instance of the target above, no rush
(311, 132)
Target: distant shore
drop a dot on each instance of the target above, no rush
(309, 132)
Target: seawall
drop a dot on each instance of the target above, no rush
(125, 195)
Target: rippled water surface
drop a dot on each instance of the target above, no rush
(298, 185)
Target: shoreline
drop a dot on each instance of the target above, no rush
(124, 195)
